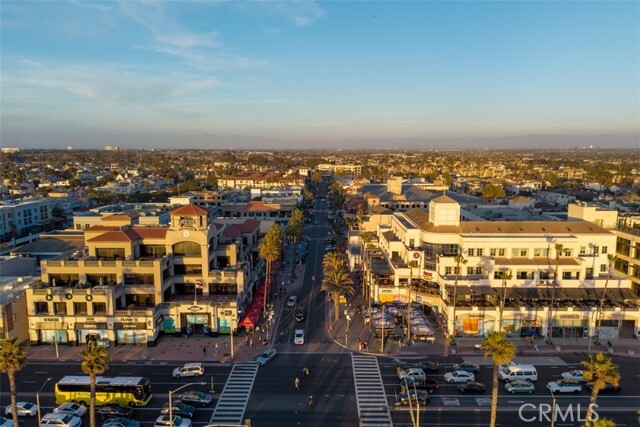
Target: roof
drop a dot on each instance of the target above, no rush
(151, 233)
(521, 199)
(120, 217)
(127, 235)
(50, 245)
(542, 261)
(444, 199)
(189, 210)
(98, 228)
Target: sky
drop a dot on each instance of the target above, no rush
(305, 74)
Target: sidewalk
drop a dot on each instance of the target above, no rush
(178, 349)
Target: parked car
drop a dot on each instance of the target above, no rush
(164, 421)
(300, 314)
(24, 409)
(266, 356)
(6, 422)
(188, 370)
(520, 386)
(60, 420)
(564, 386)
(430, 385)
(410, 372)
(111, 411)
(299, 337)
(459, 377)
(472, 387)
(72, 408)
(179, 408)
(197, 398)
(291, 302)
(420, 397)
(120, 422)
(608, 388)
(466, 366)
(574, 374)
(428, 366)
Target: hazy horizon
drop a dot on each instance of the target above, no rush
(305, 74)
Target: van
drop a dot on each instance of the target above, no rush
(188, 370)
(519, 372)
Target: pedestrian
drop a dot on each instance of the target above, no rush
(609, 344)
(251, 342)
(204, 351)
(535, 347)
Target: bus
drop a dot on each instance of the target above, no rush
(125, 391)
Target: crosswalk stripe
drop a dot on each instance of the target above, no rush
(373, 409)
(235, 395)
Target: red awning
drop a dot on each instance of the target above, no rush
(253, 312)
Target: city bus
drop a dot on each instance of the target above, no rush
(125, 391)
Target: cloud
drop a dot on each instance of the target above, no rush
(300, 13)
(190, 40)
(101, 7)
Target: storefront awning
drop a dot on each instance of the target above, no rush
(253, 312)
(523, 293)
(620, 294)
(573, 293)
(462, 290)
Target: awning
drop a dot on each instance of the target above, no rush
(574, 293)
(483, 290)
(523, 293)
(620, 294)
(462, 290)
(254, 310)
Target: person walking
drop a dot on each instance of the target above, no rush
(204, 351)
(296, 383)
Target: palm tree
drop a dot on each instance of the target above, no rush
(506, 275)
(497, 347)
(294, 231)
(600, 370)
(412, 264)
(270, 252)
(335, 279)
(559, 247)
(459, 260)
(612, 260)
(603, 422)
(12, 360)
(94, 363)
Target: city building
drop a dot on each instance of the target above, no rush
(26, 216)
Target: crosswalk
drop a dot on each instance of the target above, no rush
(373, 408)
(235, 395)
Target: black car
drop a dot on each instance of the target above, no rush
(179, 408)
(300, 314)
(416, 397)
(196, 398)
(608, 388)
(472, 387)
(428, 366)
(114, 411)
(429, 385)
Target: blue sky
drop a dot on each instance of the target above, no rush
(305, 74)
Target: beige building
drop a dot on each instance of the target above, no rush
(130, 283)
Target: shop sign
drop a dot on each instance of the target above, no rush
(187, 221)
(570, 316)
(195, 309)
(51, 325)
(137, 325)
(128, 319)
(476, 315)
(386, 291)
(427, 274)
(94, 325)
(51, 319)
(225, 312)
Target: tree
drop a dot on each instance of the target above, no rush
(501, 351)
(294, 230)
(559, 249)
(316, 177)
(12, 360)
(94, 363)
(600, 370)
(460, 261)
(270, 251)
(506, 275)
(335, 279)
(612, 260)
(493, 191)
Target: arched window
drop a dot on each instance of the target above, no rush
(187, 249)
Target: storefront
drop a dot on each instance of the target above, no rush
(53, 330)
(129, 331)
(474, 324)
(570, 326)
(92, 330)
(198, 324)
(519, 327)
(226, 320)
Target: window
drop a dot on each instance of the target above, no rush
(110, 253)
(567, 252)
(471, 252)
(500, 274)
(153, 250)
(478, 270)
(589, 272)
(469, 271)
(80, 308)
(522, 275)
(99, 308)
(59, 308)
(545, 275)
(603, 268)
(42, 308)
(182, 269)
(583, 250)
(605, 249)
(492, 252)
(479, 252)
(596, 250)
(448, 270)
(501, 251)
(190, 249)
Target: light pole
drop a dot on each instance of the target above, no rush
(171, 401)
(346, 334)
(38, 401)
(553, 409)
(593, 311)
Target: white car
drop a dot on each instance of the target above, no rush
(501, 368)
(291, 302)
(564, 386)
(266, 356)
(188, 370)
(574, 374)
(459, 377)
(72, 408)
(6, 422)
(411, 372)
(24, 409)
(299, 337)
(60, 420)
(165, 421)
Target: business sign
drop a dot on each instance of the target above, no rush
(137, 325)
(93, 325)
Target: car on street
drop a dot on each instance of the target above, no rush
(564, 386)
(121, 422)
(196, 398)
(72, 408)
(415, 396)
(574, 374)
(188, 370)
(300, 314)
(6, 422)
(472, 387)
(179, 408)
(428, 366)
(24, 409)
(60, 420)
(164, 421)
(299, 337)
(430, 385)
(291, 302)
(410, 372)
(520, 386)
(466, 366)
(266, 356)
(608, 388)
(501, 368)
(114, 411)
(459, 377)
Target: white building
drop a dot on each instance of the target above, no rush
(18, 217)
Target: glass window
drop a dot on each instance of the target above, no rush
(603, 268)
(469, 271)
(605, 249)
(448, 270)
(471, 252)
(492, 252)
(589, 273)
(501, 251)
(583, 250)
(479, 252)
(190, 249)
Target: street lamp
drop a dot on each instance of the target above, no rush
(593, 312)
(553, 409)
(38, 401)
(171, 401)
(346, 333)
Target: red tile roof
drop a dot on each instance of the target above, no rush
(120, 217)
(127, 235)
(151, 233)
(189, 210)
(98, 228)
